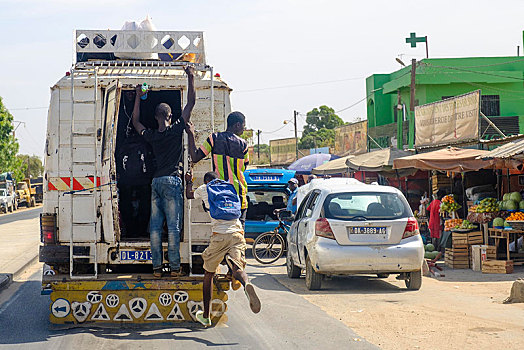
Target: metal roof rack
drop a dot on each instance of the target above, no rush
(167, 45)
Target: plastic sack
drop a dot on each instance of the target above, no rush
(135, 41)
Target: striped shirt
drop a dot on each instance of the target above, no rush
(230, 158)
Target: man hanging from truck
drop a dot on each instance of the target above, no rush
(229, 154)
(166, 188)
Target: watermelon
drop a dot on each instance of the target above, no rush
(434, 254)
(499, 222)
(430, 247)
(515, 196)
(506, 196)
(512, 205)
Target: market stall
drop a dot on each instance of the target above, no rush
(464, 233)
(333, 167)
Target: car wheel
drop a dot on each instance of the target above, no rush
(313, 279)
(414, 280)
(293, 271)
(382, 275)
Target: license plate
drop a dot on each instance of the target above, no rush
(135, 255)
(367, 230)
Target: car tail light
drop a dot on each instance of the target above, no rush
(323, 229)
(411, 228)
(48, 228)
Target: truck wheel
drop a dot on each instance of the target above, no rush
(10, 208)
(292, 270)
(313, 279)
(414, 280)
(32, 202)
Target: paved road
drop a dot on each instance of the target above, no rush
(20, 214)
(287, 321)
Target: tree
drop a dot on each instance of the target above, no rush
(319, 129)
(9, 145)
(33, 165)
(264, 154)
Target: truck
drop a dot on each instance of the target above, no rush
(25, 193)
(10, 197)
(94, 223)
(38, 186)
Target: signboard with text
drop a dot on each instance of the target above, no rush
(282, 151)
(351, 138)
(448, 121)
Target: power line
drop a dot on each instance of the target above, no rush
(299, 85)
(25, 108)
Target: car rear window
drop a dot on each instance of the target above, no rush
(361, 206)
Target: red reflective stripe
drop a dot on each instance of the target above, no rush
(51, 187)
(67, 181)
(76, 185)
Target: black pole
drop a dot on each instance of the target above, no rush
(258, 150)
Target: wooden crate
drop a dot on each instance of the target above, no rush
(457, 257)
(491, 252)
(497, 266)
(475, 237)
(459, 239)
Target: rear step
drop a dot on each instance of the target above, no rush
(131, 299)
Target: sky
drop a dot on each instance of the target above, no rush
(277, 56)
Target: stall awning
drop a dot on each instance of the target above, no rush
(336, 166)
(513, 150)
(446, 159)
(380, 161)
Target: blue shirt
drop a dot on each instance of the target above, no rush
(290, 206)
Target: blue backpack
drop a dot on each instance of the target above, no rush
(224, 203)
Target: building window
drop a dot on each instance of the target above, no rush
(489, 104)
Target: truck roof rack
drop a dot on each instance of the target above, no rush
(111, 45)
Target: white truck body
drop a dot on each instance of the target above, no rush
(80, 186)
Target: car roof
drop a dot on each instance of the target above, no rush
(334, 185)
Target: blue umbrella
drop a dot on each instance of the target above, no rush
(304, 165)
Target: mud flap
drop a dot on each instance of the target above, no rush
(130, 301)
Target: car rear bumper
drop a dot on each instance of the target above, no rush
(327, 256)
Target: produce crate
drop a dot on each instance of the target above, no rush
(457, 257)
(475, 237)
(516, 224)
(497, 266)
(459, 239)
(480, 253)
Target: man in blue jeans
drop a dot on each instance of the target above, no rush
(166, 189)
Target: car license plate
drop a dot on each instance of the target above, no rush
(366, 230)
(135, 255)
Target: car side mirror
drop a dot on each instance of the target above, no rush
(286, 215)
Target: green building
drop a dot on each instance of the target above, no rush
(500, 79)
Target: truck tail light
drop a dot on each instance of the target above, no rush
(323, 229)
(48, 228)
(411, 228)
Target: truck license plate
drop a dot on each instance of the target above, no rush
(367, 230)
(135, 255)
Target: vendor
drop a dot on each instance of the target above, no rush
(435, 228)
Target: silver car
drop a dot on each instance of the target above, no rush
(345, 227)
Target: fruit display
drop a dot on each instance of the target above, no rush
(487, 205)
(452, 223)
(466, 225)
(430, 252)
(516, 216)
(449, 204)
(498, 222)
(511, 201)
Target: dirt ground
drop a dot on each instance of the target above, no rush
(462, 310)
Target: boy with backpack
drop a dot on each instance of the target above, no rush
(227, 240)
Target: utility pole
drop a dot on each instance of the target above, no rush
(258, 141)
(412, 86)
(296, 133)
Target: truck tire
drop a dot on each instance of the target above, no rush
(313, 279)
(32, 202)
(15, 205)
(293, 271)
(414, 280)
(10, 208)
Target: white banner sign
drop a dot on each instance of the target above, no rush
(448, 121)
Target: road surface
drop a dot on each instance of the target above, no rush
(20, 214)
